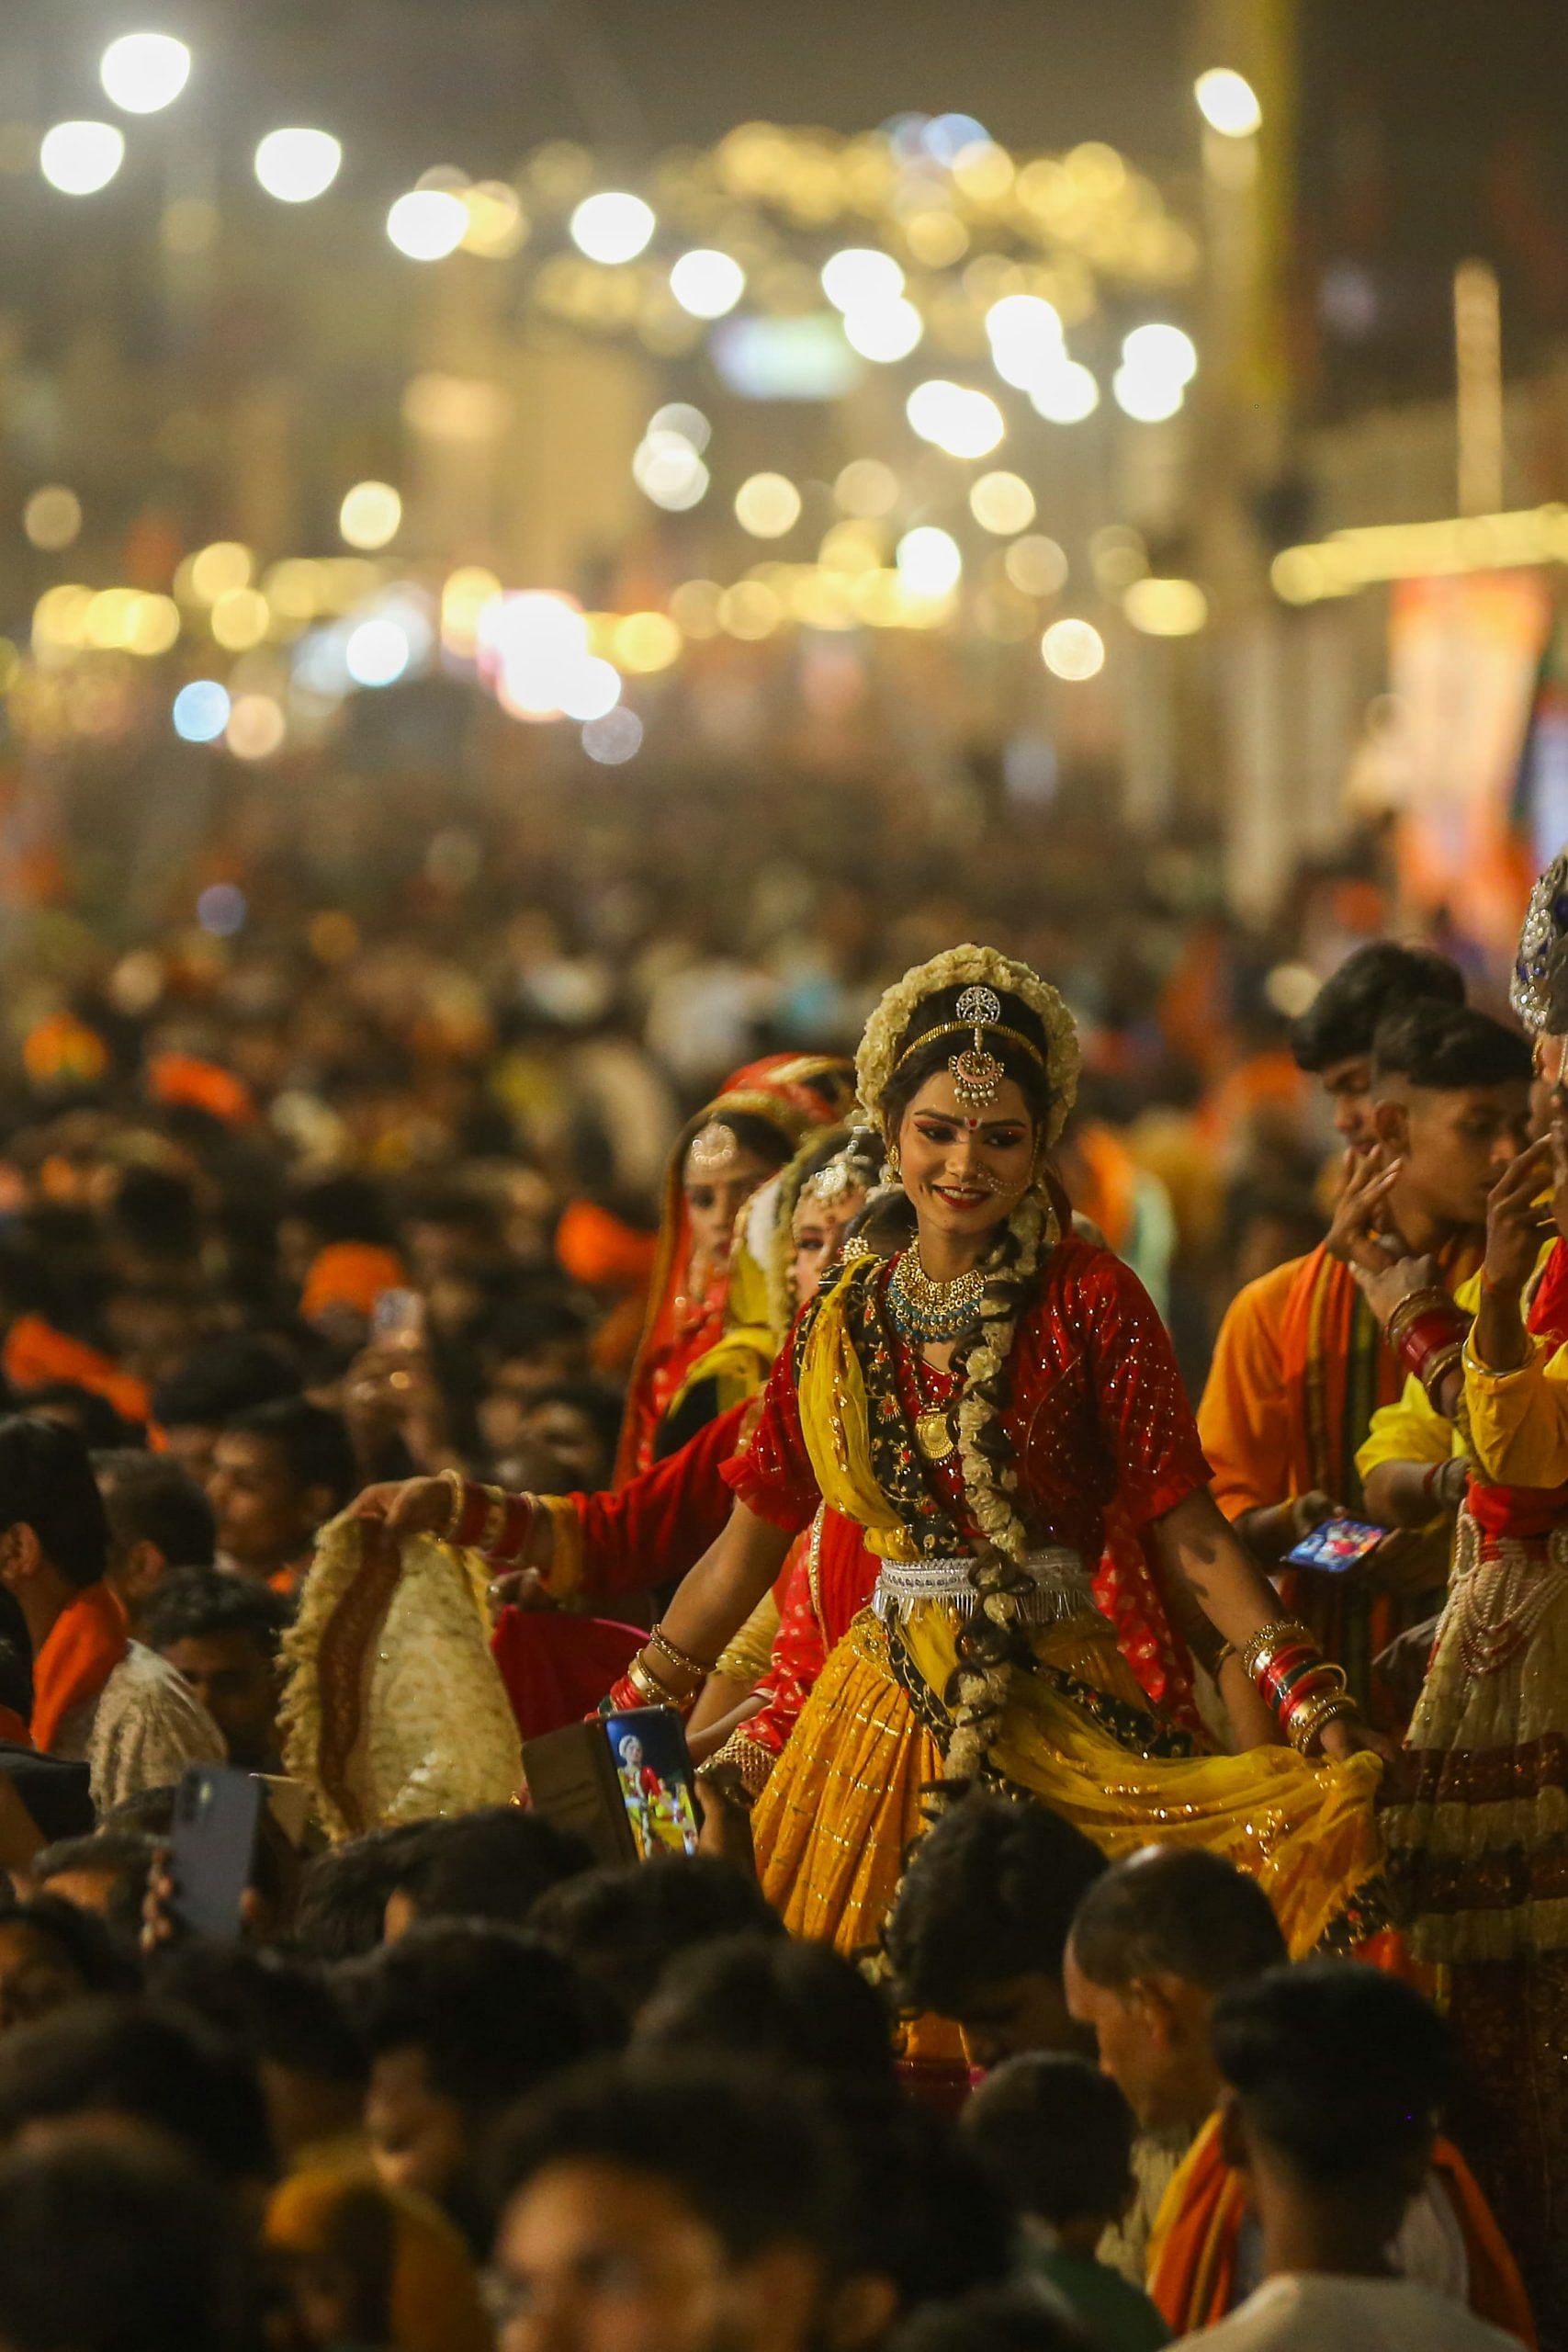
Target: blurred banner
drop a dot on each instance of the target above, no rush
(1463, 655)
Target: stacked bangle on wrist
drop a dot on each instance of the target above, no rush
(486, 1519)
(1427, 1331)
(660, 1675)
(1304, 1690)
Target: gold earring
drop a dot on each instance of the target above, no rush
(895, 1168)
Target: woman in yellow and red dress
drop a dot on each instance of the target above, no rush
(721, 1157)
(962, 1417)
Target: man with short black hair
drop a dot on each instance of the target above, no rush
(1334, 2076)
(220, 1634)
(278, 1474)
(1156, 1944)
(1300, 1366)
(218, 1382)
(461, 2020)
(1333, 1038)
(97, 1696)
(981, 1920)
(494, 1864)
(111, 2240)
(687, 2205)
(159, 1519)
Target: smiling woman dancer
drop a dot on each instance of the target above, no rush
(966, 1412)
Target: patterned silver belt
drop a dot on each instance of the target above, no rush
(1058, 1575)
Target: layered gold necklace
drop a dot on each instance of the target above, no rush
(932, 1313)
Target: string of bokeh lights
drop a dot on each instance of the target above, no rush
(1048, 232)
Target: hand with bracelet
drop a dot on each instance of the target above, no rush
(455, 1510)
(1518, 1222)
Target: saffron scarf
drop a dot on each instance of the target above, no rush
(81, 1650)
(1192, 2248)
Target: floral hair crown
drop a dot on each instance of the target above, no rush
(1539, 989)
(986, 978)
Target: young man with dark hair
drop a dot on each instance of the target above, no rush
(97, 1696)
(1154, 1945)
(217, 1383)
(138, 2062)
(220, 1634)
(668, 2205)
(289, 2021)
(493, 1864)
(461, 2020)
(981, 1920)
(1334, 2076)
(1333, 1038)
(159, 1519)
(622, 1926)
(278, 1474)
(108, 2241)
(1056, 2135)
(1300, 1366)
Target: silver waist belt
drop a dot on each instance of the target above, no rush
(1060, 1582)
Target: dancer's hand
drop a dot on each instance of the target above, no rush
(409, 1506)
(1349, 1735)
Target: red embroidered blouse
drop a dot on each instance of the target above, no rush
(1098, 1414)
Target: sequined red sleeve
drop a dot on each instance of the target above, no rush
(651, 1529)
(773, 1478)
(1145, 1420)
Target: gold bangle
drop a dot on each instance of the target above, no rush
(681, 1660)
(642, 1677)
(1259, 1647)
(457, 1486)
(1308, 1723)
(1414, 1303)
(495, 1520)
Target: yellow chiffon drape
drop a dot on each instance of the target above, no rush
(845, 1801)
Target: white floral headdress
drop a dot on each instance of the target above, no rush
(971, 967)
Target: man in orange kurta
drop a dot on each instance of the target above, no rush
(53, 1548)
(1300, 1366)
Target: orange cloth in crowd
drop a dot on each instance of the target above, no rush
(1192, 2249)
(1106, 1193)
(36, 1355)
(63, 1050)
(1266, 1081)
(353, 1274)
(432, 2293)
(199, 1085)
(601, 1251)
(1299, 1369)
(81, 1650)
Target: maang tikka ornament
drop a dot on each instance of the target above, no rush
(977, 1074)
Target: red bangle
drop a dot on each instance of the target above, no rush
(471, 1517)
(1324, 1685)
(516, 1525)
(1289, 1684)
(1284, 1662)
(625, 1698)
(1428, 1334)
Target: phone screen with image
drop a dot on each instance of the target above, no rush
(1336, 1545)
(649, 1751)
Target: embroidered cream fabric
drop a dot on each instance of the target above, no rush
(394, 1710)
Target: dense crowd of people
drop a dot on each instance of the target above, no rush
(476, 1285)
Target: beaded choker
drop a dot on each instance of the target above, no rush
(933, 1314)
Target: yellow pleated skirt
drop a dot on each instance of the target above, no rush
(844, 1805)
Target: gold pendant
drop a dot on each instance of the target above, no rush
(933, 1437)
